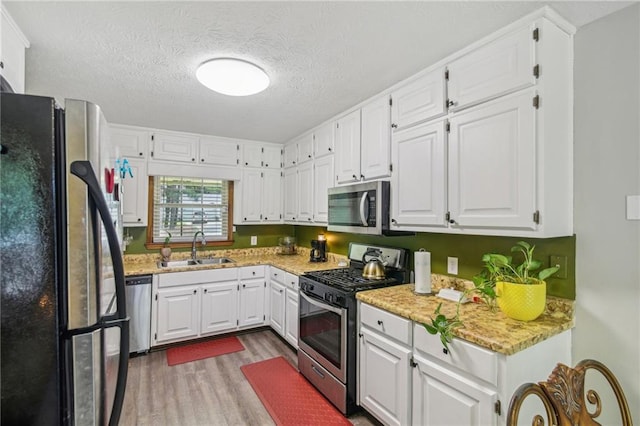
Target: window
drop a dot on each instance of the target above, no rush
(183, 206)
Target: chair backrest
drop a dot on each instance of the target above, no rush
(563, 397)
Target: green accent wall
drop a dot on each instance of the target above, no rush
(467, 248)
(267, 237)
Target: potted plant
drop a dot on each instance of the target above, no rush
(519, 289)
(165, 251)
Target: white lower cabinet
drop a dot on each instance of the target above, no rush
(283, 305)
(407, 377)
(200, 303)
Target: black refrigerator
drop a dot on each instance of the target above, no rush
(64, 332)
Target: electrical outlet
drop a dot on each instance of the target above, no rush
(452, 265)
(254, 240)
(561, 261)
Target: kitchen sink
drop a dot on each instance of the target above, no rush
(191, 262)
(214, 260)
(176, 263)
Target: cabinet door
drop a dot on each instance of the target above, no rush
(174, 147)
(251, 195)
(375, 146)
(418, 100)
(252, 302)
(348, 148)
(444, 398)
(132, 143)
(219, 307)
(135, 194)
(305, 149)
(290, 194)
(291, 155)
(277, 307)
(492, 161)
(418, 189)
(322, 181)
(178, 314)
(272, 195)
(219, 151)
(385, 378)
(291, 317)
(323, 140)
(272, 157)
(500, 67)
(252, 155)
(305, 192)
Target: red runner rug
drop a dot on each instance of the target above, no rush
(202, 350)
(288, 397)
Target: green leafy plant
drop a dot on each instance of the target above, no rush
(497, 267)
(167, 239)
(444, 326)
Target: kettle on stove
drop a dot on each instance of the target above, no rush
(374, 267)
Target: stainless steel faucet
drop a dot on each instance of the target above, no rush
(194, 253)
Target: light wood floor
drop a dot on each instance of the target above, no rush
(212, 391)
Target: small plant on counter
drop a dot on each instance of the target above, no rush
(498, 268)
(444, 326)
(167, 239)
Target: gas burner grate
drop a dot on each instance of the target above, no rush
(349, 279)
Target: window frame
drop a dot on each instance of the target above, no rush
(150, 244)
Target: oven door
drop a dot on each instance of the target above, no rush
(323, 334)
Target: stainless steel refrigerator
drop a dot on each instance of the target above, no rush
(64, 332)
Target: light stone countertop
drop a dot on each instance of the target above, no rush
(298, 264)
(491, 330)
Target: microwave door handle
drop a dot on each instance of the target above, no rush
(364, 217)
(320, 304)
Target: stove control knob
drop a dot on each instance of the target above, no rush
(340, 300)
(328, 297)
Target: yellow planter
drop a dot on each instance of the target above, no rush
(524, 302)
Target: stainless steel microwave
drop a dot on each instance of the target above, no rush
(362, 208)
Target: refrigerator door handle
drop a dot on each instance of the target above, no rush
(84, 171)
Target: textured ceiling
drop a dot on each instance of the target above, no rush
(138, 59)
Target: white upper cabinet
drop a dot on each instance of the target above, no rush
(180, 147)
(500, 67)
(132, 143)
(135, 194)
(252, 155)
(492, 164)
(305, 192)
(219, 151)
(272, 157)
(322, 181)
(261, 199)
(323, 140)
(272, 195)
(375, 146)
(12, 61)
(290, 194)
(251, 195)
(348, 148)
(291, 155)
(418, 184)
(419, 100)
(305, 148)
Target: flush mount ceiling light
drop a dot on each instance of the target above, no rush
(233, 77)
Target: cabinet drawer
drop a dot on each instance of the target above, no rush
(277, 275)
(291, 281)
(477, 361)
(248, 272)
(391, 325)
(197, 277)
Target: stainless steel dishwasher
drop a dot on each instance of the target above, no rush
(139, 311)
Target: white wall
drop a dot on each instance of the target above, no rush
(606, 169)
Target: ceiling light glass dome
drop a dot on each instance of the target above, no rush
(233, 77)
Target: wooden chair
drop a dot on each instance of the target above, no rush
(563, 397)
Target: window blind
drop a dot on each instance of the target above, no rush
(183, 206)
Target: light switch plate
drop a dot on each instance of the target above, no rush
(633, 207)
(254, 240)
(452, 265)
(561, 261)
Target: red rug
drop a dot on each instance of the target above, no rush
(288, 397)
(202, 350)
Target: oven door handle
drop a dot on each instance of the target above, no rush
(315, 302)
(364, 217)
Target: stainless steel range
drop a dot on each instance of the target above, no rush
(327, 334)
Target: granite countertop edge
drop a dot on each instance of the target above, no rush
(491, 330)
